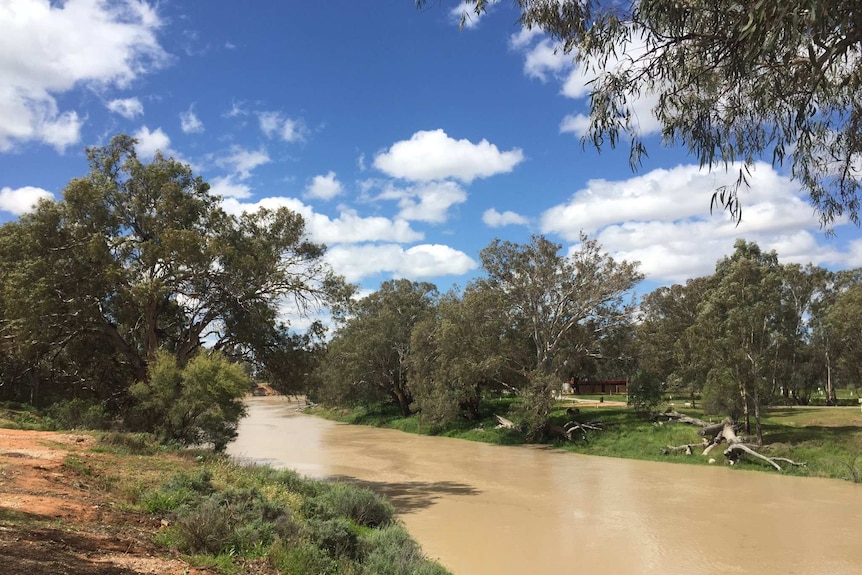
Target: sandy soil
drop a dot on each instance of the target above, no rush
(52, 521)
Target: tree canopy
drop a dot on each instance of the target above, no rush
(733, 82)
(139, 258)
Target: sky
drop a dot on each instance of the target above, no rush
(406, 142)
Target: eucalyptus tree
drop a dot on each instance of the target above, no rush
(369, 356)
(664, 340)
(461, 352)
(548, 295)
(841, 319)
(139, 257)
(732, 81)
(736, 327)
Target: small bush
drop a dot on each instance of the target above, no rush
(645, 393)
(337, 536)
(300, 559)
(360, 504)
(80, 414)
(391, 551)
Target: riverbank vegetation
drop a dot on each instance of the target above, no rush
(827, 439)
(202, 509)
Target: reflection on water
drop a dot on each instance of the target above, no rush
(484, 509)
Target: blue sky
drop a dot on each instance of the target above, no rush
(407, 144)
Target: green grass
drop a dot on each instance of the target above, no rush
(827, 439)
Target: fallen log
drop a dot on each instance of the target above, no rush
(725, 432)
(502, 422)
(672, 415)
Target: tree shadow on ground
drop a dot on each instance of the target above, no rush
(410, 496)
(776, 434)
(30, 552)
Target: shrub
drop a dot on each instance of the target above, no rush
(645, 393)
(360, 504)
(337, 536)
(80, 414)
(300, 559)
(198, 404)
(391, 551)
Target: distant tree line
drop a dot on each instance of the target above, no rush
(754, 333)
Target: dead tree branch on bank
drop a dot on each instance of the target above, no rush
(716, 433)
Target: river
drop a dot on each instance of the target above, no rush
(486, 509)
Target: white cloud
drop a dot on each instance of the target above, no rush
(432, 155)
(542, 58)
(418, 262)
(242, 161)
(662, 219)
(150, 142)
(324, 187)
(22, 200)
(348, 227)
(129, 108)
(227, 187)
(190, 123)
(48, 48)
(464, 14)
(275, 124)
(426, 202)
(495, 219)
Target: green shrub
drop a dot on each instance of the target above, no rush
(195, 405)
(391, 551)
(184, 489)
(300, 559)
(337, 536)
(645, 393)
(80, 414)
(360, 504)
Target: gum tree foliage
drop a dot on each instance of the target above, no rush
(139, 257)
(737, 327)
(734, 82)
(460, 353)
(547, 296)
(368, 358)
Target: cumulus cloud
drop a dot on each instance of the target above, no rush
(276, 125)
(422, 261)
(348, 227)
(64, 45)
(190, 123)
(228, 187)
(242, 161)
(662, 219)
(495, 219)
(22, 200)
(544, 59)
(433, 155)
(129, 108)
(152, 141)
(425, 202)
(324, 187)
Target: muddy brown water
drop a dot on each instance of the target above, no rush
(485, 509)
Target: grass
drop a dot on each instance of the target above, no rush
(827, 439)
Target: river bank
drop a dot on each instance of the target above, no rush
(827, 439)
(115, 504)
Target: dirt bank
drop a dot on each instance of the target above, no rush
(54, 519)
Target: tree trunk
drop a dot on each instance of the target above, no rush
(757, 427)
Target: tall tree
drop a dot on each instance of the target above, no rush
(139, 257)
(733, 81)
(369, 355)
(736, 325)
(547, 295)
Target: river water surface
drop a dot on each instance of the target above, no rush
(493, 510)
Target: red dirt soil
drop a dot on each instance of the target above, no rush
(53, 522)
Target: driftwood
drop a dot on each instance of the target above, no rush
(502, 422)
(715, 433)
